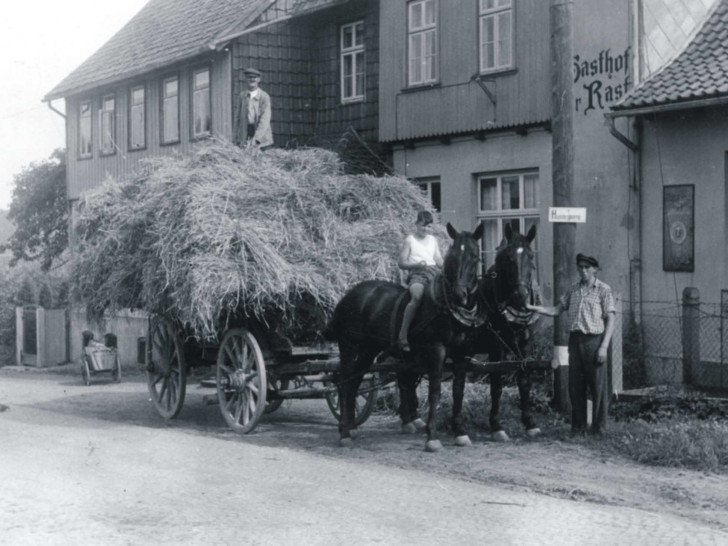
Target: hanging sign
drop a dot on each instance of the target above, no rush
(575, 215)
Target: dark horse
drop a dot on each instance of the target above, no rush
(367, 318)
(504, 291)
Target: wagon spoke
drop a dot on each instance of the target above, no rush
(240, 409)
(231, 355)
(244, 360)
(253, 387)
(241, 381)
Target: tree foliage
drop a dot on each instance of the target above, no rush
(39, 210)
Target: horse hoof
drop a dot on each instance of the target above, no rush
(419, 424)
(354, 433)
(463, 441)
(500, 436)
(409, 428)
(433, 446)
(346, 442)
(533, 432)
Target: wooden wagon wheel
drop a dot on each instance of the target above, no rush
(241, 380)
(166, 368)
(366, 398)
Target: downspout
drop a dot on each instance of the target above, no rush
(56, 110)
(635, 263)
(619, 136)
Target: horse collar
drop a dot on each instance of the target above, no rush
(471, 318)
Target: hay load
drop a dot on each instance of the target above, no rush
(280, 235)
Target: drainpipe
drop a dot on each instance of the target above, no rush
(635, 263)
(56, 110)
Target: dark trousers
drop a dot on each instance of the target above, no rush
(585, 373)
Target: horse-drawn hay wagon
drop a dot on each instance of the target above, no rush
(239, 258)
(255, 371)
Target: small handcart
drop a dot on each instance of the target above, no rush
(99, 358)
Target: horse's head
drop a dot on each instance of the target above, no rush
(461, 263)
(515, 268)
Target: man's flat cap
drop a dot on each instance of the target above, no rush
(583, 258)
(253, 71)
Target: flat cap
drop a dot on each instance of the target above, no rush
(251, 70)
(583, 258)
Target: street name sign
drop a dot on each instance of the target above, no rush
(576, 215)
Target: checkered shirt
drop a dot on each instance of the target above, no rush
(588, 307)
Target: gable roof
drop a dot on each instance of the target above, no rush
(162, 33)
(699, 73)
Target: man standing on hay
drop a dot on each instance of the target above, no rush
(252, 115)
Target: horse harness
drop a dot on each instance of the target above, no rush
(436, 291)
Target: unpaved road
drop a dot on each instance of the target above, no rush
(96, 465)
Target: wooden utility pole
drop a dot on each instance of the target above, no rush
(562, 159)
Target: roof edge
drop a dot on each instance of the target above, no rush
(127, 76)
(668, 107)
(544, 123)
(221, 38)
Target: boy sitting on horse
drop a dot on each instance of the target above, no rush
(420, 257)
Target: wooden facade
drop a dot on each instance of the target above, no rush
(84, 174)
(456, 103)
(300, 61)
(301, 67)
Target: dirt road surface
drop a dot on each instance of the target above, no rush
(96, 465)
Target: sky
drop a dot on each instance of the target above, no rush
(42, 41)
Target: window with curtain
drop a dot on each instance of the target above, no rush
(508, 198)
(496, 35)
(137, 118)
(107, 115)
(201, 118)
(85, 147)
(170, 110)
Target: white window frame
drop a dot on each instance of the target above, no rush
(420, 32)
(201, 100)
(170, 104)
(85, 124)
(137, 118)
(349, 91)
(107, 125)
(501, 14)
(526, 216)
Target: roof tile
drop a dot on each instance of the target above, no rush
(163, 32)
(699, 72)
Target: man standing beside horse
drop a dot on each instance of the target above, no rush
(590, 309)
